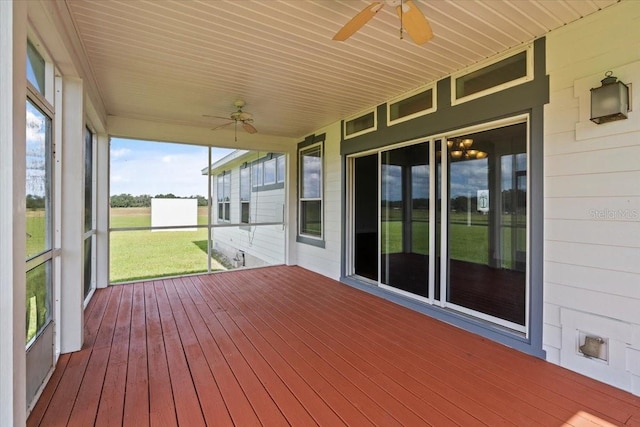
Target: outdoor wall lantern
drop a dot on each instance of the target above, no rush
(609, 102)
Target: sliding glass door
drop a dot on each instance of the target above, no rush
(445, 221)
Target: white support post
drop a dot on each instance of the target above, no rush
(102, 211)
(13, 95)
(71, 152)
(291, 218)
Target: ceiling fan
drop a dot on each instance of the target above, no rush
(238, 116)
(412, 20)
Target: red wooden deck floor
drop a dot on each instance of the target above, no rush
(285, 346)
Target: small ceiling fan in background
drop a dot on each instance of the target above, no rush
(412, 20)
(238, 116)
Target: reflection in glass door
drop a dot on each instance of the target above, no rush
(487, 224)
(451, 230)
(404, 219)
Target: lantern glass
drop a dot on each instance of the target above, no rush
(609, 102)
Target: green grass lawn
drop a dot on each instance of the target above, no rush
(36, 241)
(144, 254)
(136, 255)
(466, 243)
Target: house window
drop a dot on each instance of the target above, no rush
(256, 171)
(35, 68)
(361, 124)
(245, 195)
(310, 196)
(224, 196)
(269, 172)
(280, 168)
(411, 106)
(501, 74)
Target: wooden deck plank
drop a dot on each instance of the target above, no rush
(111, 407)
(188, 411)
(62, 401)
(287, 402)
(206, 387)
(37, 413)
(162, 410)
(493, 367)
(85, 408)
(331, 386)
(136, 403)
(425, 368)
(490, 356)
(317, 408)
(281, 396)
(441, 397)
(378, 405)
(357, 362)
(233, 396)
(265, 408)
(286, 346)
(347, 412)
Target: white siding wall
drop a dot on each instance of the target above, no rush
(327, 261)
(263, 245)
(592, 199)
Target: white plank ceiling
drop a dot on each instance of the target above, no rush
(173, 61)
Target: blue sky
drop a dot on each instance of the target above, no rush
(144, 167)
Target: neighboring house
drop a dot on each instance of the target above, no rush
(485, 198)
(248, 205)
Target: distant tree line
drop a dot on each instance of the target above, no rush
(144, 200)
(35, 202)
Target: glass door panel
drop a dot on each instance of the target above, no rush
(487, 223)
(404, 218)
(365, 209)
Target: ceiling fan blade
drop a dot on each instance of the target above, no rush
(221, 126)
(358, 21)
(249, 127)
(216, 117)
(414, 22)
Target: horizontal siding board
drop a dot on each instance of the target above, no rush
(600, 209)
(606, 281)
(605, 185)
(597, 256)
(605, 160)
(614, 233)
(623, 308)
(565, 143)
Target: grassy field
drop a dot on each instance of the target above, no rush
(136, 255)
(37, 304)
(466, 242)
(35, 232)
(144, 254)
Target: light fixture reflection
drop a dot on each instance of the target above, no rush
(461, 149)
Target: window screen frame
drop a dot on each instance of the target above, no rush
(433, 108)
(529, 76)
(313, 239)
(363, 131)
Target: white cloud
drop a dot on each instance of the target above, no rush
(118, 179)
(117, 153)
